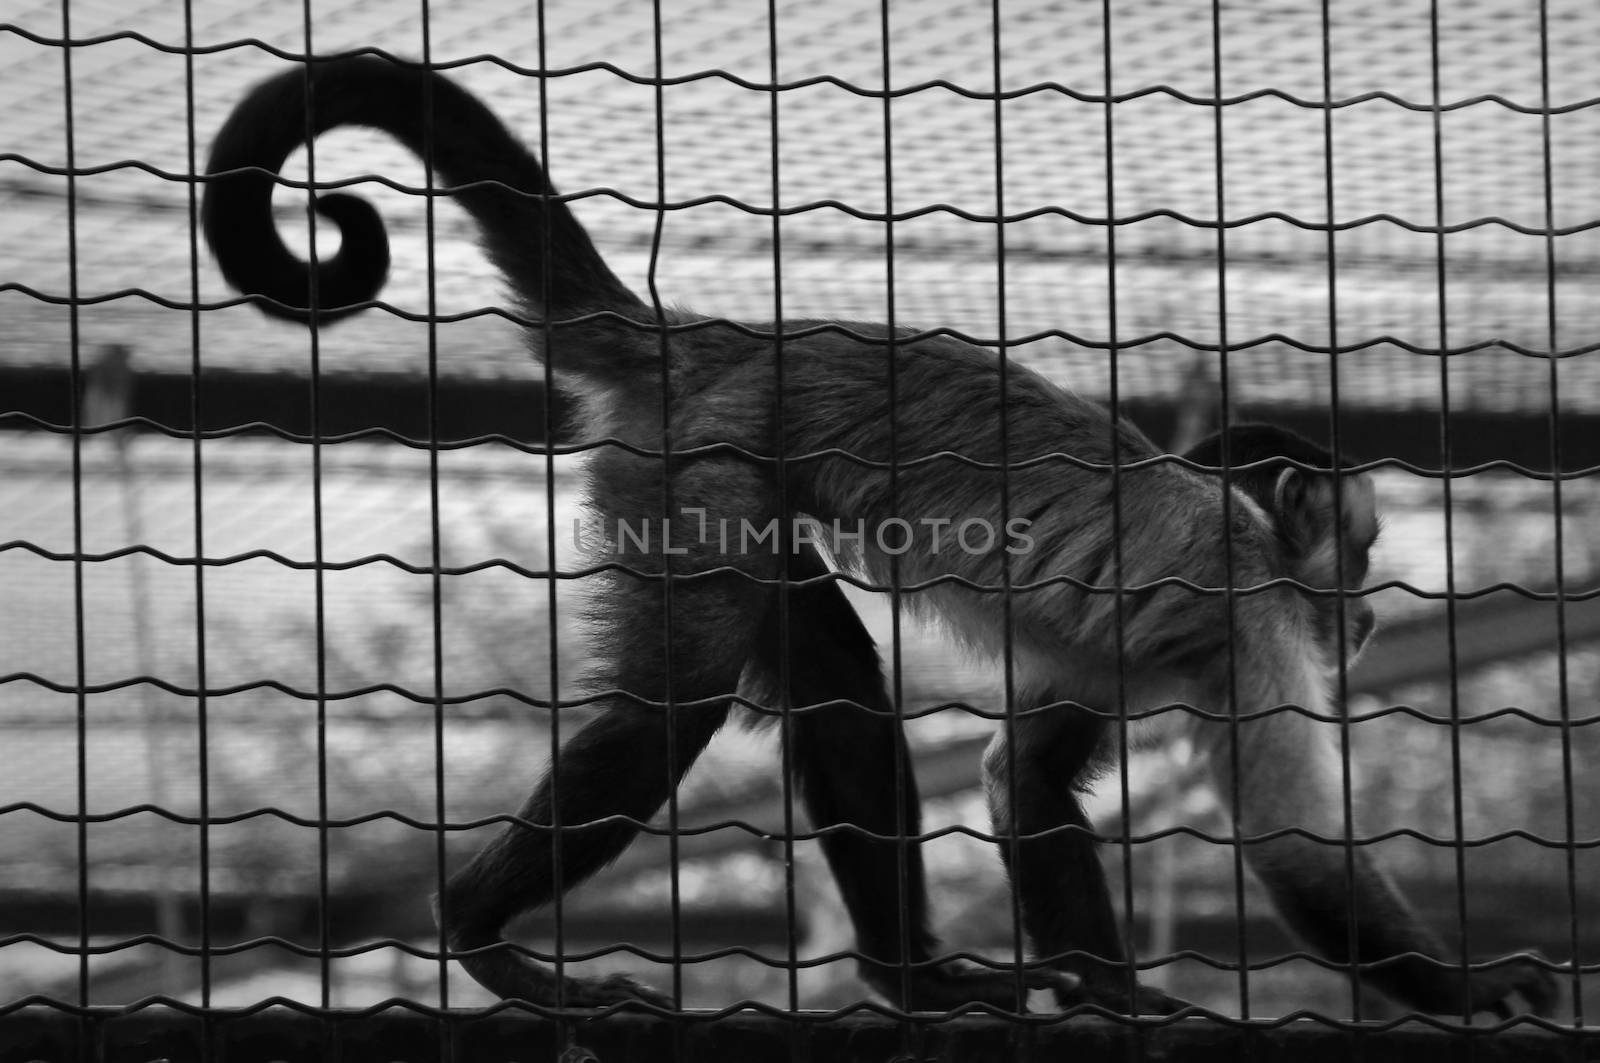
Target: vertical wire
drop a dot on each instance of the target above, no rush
(1012, 840)
(319, 560)
(665, 351)
(1002, 351)
(1563, 689)
(1342, 680)
(196, 422)
(786, 705)
(547, 339)
(435, 532)
(79, 613)
(1118, 571)
(891, 353)
(1229, 591)
(1458, 817)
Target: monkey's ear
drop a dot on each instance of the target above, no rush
(1288, 493)
(1303, 508)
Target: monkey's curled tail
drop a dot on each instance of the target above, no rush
(549, 260)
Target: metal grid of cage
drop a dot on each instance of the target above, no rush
(293, 616)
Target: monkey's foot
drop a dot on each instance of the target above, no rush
(512, 976)
(958, 982)
(1495, 990)
(1146, 1000)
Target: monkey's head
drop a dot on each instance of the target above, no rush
(1326, 525)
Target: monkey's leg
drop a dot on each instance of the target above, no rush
(1034, 780)
(852, 769)
(615, 766)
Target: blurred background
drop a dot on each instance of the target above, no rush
(343, 683)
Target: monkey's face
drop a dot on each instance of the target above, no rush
(1358, 623)
(1336, 555)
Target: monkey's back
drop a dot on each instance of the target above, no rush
(1005, 495)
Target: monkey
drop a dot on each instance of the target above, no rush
(1110, 578)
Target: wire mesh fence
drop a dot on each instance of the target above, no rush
(294, 618)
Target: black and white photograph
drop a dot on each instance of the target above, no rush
(862, 530)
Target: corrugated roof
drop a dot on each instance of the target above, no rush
(130, 104)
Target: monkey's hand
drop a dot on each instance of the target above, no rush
(1494, 989)
(613, 989)
(956, 983)
(1113, 995)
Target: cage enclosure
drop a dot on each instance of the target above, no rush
(293, 619)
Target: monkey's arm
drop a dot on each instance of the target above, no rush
(1319, 895)
(1344, 905)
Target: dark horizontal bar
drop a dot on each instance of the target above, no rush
(469, 408)
(1477, 437)
(466, 408)
(426, 1036)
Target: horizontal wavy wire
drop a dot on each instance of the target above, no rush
(865, 91)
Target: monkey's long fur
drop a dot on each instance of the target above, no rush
(874, 428)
